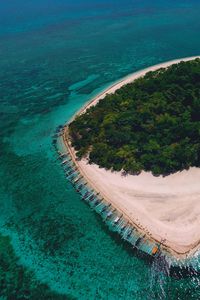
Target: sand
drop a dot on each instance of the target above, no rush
(167, 208)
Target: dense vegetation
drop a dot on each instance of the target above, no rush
(152, 124)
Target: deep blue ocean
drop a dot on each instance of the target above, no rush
(54, 56)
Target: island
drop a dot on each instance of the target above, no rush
(137, 145)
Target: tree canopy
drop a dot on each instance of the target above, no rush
(151, 124)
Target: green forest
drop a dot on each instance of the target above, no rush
(152, 124)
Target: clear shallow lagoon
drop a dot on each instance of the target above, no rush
(54, 56)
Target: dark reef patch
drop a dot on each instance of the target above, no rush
(17, 282)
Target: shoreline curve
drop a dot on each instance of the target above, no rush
(178, 251)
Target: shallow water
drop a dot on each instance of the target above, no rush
(54, 56)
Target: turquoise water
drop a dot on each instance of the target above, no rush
(54, 56)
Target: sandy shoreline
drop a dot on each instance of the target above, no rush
(165, 208)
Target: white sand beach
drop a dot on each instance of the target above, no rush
(167, 208)
(164, 207)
